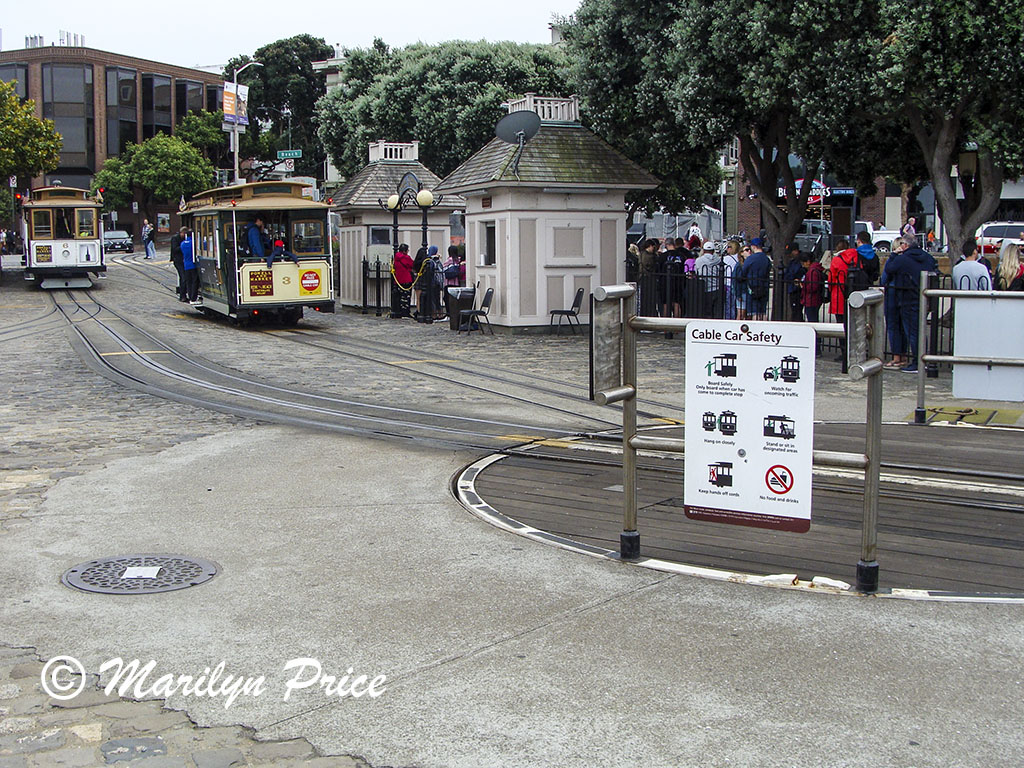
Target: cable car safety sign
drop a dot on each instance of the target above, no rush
(750, 423)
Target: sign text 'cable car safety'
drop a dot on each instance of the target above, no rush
(750, 425)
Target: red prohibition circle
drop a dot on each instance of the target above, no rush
(310, 280)
(783, 477)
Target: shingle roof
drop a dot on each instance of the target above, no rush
(379, 180)
(568, 155)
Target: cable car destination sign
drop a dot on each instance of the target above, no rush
(749, 423)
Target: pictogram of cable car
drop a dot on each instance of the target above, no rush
(720, 473)
(710, 421)
(789, 370)
(725, 365)
(727, 423)
(779, 426)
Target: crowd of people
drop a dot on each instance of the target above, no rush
(419, 285)
(735, 280)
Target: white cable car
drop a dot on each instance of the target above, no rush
(63, 238)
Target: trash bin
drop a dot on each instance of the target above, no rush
(458, 300)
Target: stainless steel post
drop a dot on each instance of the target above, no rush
(629, 539)
(867, 566)
(922, 328)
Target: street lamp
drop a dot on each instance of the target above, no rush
(234, 129)
(410, 192)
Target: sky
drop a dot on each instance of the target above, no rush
(193, 34)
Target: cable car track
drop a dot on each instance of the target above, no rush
(267, 402)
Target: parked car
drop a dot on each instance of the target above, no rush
(990, 236)
(117, 240)
(815, 236)
(880, 238)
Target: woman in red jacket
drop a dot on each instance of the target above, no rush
(843, 260)
(401, 282)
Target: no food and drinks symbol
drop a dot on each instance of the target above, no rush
(779, 479)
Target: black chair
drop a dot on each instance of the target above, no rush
(572, 313)
(467, 316)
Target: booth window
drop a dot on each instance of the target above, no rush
(380, 236)
(489, 241)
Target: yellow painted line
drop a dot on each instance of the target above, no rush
(667, 420)
(152, 352)
(175, 315)
(557, 443)
(414, 362)
(518, 438)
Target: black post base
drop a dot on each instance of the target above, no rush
(629, 545)
(867, 576)
(920, 416)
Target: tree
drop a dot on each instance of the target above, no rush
(617, 56)
(116, 182)
(161, 169)
(446, 96)
(204, 132)
(953, 70)
(28, 146)
(285, 81)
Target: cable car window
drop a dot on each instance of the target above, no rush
(64, 226)
(86, 223)
(42, 227)
(308, 237)
(275, 189)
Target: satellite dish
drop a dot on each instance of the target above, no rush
(516, 127)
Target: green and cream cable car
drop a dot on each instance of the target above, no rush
(63, 237)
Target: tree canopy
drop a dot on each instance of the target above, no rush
(286, 81)
(161, 169)
(28, 146)
(446, 96)
(204, 132)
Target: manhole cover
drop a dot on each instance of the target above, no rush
(139, 574)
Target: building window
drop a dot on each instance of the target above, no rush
(156, 105)
(188, 97)
(67, 100)
(380, 236)
(214, 98)
(122, 110)
(17, 75)
(489, 241)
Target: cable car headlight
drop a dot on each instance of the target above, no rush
(66, 253)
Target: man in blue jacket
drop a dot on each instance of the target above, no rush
(754, 275)
(256, 240)
(902, 274)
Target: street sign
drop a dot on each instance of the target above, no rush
(289, 154)
(750, 423)
(135, 207)
(289, 165)
(13, 181)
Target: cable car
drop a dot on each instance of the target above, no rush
(63, 237)
(779, 426)
(789, 370)
(727, 423)
(725, 365)
(238, 284)
(710, 421)
(720, 473)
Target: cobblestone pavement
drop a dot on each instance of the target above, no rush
(61, 420)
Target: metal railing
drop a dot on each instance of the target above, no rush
(615, 327)
(935, 300)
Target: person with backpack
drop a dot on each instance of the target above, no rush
(792, 276)
(258, 243)
(868, 258)
(754, 274)
(190, 267)
(902, 274)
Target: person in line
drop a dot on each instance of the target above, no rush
(792, 276)
(648, 289)
(177, 259)
(454, 271)
(437, 281)
(908, 232)
(671, 281)
(730, 261)
(969, 274)
(190, 268)
(812, 287)
(401, 282)
(868, 258)
(739, 284)
(708, 269)
(1010, 274)
(904, 269)
(148, 239)
(755, 274)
